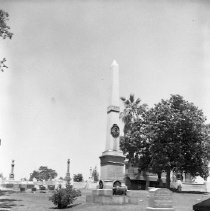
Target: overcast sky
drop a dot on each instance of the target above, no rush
(53, 97)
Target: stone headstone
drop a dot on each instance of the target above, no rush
(160, 199)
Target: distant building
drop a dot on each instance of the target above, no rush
(135, 179)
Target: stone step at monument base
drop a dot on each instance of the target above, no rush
(159, 209)
(137, 201)
(137, 197)
(105, 197)
(137, 193)
(111, 200)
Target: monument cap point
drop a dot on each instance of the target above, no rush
(114, 63)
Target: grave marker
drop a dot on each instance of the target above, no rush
(160, 199)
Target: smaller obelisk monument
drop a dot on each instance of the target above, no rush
(68, 173)
(11, 175)
(91, 174)
(112, 159)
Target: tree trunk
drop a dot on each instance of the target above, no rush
(147, 180)
(147, 183)
(168, 180)
(159, 181)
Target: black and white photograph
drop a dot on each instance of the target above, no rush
(105, 105)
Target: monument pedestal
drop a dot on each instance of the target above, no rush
(112, 167)
(112, 174)
(11, 176)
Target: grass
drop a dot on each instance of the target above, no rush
(37, 201)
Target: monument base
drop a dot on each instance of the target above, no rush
(105, 197)
(136, 197)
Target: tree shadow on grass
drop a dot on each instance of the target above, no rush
(69, 206)
(6, 192)
(6, 203)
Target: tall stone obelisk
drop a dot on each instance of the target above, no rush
(11, 175)
(112, 159)
(68, 173)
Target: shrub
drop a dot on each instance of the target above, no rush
(78, 177)
(64, 196)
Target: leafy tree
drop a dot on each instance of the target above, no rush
(78, 177)
(43, 173)
(4, 33)
(4, 28)
(178, 138)
(170, 136)
(33, 175)
(95, 175)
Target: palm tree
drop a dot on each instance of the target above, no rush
(132, 112)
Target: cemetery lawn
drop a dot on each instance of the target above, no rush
(40, 202)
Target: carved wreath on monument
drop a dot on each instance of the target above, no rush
(115, 131)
